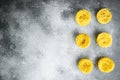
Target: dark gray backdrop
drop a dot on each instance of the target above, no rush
(37, 39)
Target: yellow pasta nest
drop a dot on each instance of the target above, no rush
(104, 16)
(104, 40)
(82, 40)
(83, 17)
(106, 65)
(85, 66)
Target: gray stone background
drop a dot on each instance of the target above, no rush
(37, 39)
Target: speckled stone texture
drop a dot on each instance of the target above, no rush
(37, 39)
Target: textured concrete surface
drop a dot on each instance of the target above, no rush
(37, 39)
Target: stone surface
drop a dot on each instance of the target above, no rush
(37, 39)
